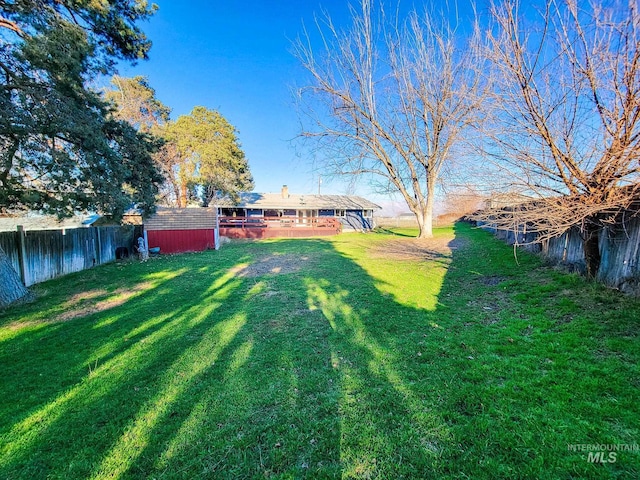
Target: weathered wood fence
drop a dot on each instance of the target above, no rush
(619, 251)
(39, 255)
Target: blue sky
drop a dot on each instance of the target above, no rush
(235, 57)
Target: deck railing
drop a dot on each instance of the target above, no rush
(279, 222)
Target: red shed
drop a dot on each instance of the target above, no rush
(177, 230)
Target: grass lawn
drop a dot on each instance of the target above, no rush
(358, 356)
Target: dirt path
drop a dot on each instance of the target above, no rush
(273, 264)
(418, 249)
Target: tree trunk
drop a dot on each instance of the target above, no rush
(11, 287)
(424, 215)
(182, 200)
(591, 247)
(425, 224)
(176, 191)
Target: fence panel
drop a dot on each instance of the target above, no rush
(619, 251)
(80, 249)
(112, 238)
(44, 255)
(52, 253)
(566, 249)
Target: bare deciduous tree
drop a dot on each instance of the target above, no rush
(168, 158)
(567, 118)
(135, 101)
(391, 99)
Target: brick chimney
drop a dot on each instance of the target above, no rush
(285, 191)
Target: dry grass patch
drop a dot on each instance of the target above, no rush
(84, 304)
(273, 265)
(421, 249)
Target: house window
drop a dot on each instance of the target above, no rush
(367, 213)
(232, 212)
(254, 212)
(340, 213)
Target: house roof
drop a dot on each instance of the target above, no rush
(182, 219)
(32, 221)
(296, 201)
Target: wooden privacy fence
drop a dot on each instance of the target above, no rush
(619, 251)
(39, 255)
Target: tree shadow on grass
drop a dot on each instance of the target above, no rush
(62, 390)
(317, 373)
(70, 350)
(242, 377)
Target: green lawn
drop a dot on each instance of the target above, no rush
(359, 356)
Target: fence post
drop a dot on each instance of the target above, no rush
(22, 254)
(98, 246)
(64, 251)
(216, 233)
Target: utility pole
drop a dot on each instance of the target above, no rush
(319, 183)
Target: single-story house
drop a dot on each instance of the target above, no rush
(255, 215)
(260, 215)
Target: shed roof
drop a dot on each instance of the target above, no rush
(182, 219)
(297, 201)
